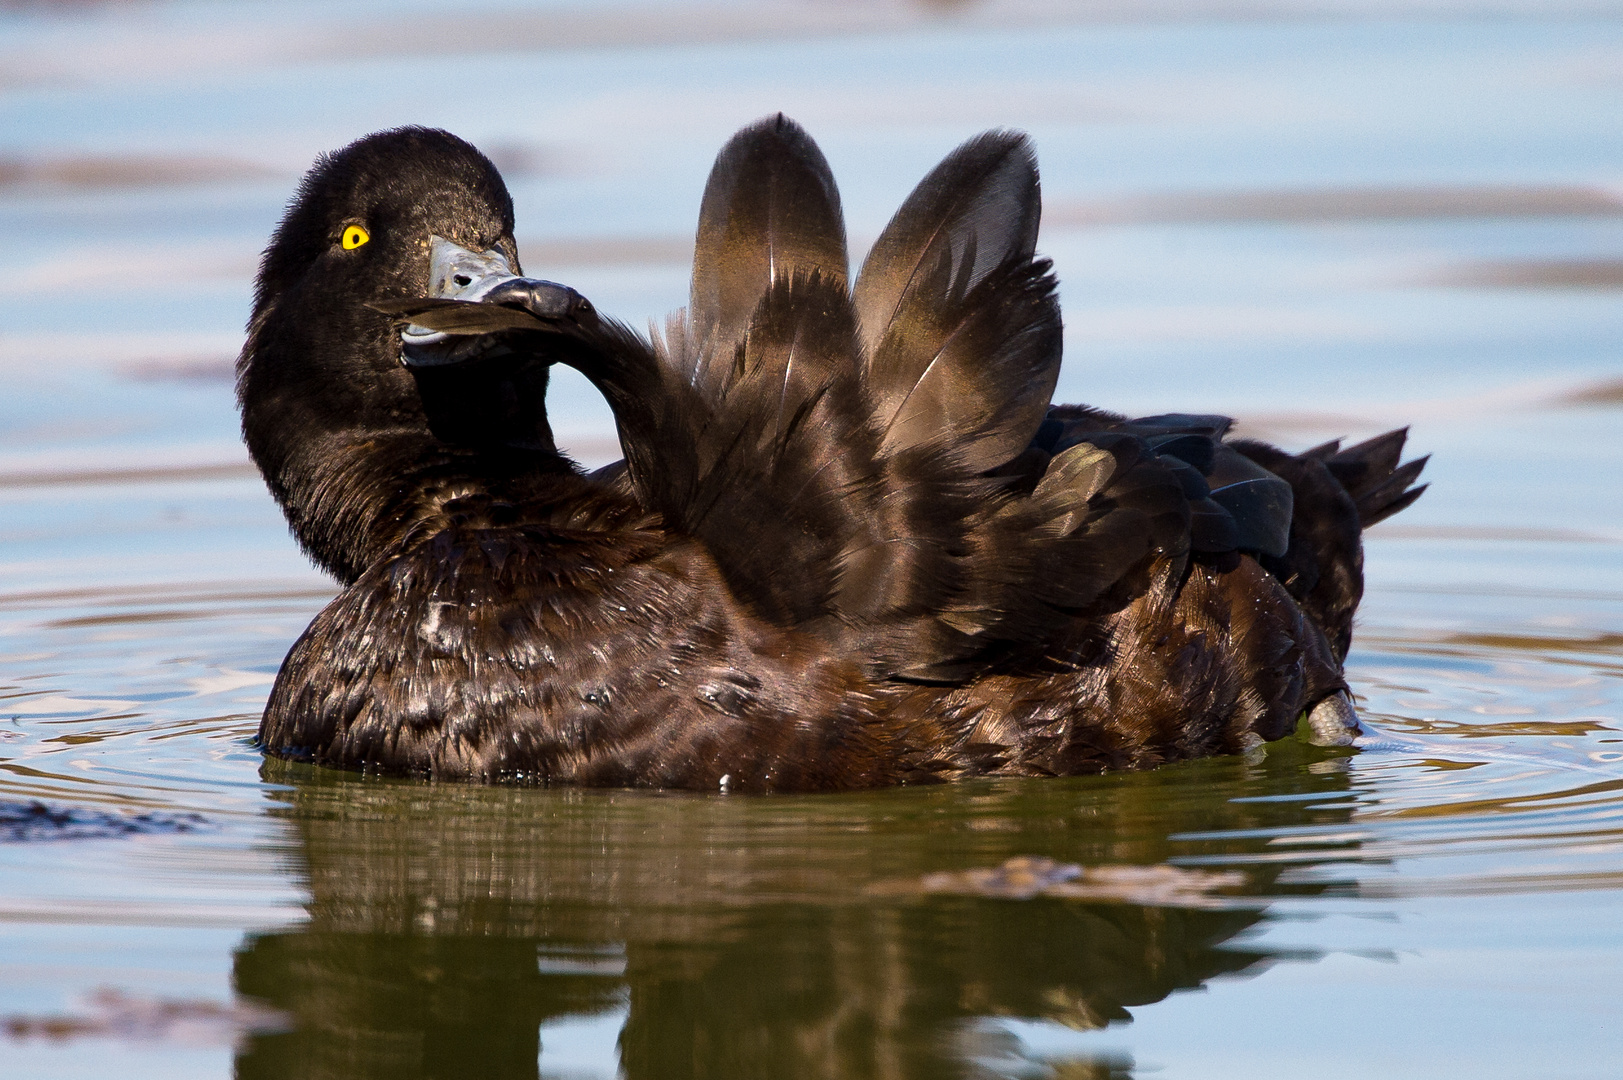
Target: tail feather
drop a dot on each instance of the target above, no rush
(1323, 451)
(1393, 494)
(1367, 464)
(1370, 472)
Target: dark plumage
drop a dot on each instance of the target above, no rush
(851, 544)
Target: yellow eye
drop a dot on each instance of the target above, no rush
(355, 236)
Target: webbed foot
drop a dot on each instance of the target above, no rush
(1333, 721)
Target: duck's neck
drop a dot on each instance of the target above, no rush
(351, 498)
(354, 460)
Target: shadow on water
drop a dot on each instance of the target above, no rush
(452, 929)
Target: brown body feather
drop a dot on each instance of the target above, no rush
(852, 544)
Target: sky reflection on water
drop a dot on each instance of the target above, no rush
(1325, 218)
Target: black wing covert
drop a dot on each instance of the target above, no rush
(1339, 493)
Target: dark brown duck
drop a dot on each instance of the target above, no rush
(852, 542)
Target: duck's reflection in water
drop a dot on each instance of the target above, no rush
(737, 936)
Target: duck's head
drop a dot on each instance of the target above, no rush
(392, 218)
(361, 227)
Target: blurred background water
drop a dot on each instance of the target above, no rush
(1325, 217)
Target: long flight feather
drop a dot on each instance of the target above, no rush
(770, 211)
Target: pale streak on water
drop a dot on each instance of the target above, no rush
(1325, 218)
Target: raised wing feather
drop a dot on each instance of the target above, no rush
(886, 465)
(960, 331)
(863, 468)
(783, 479)
(770, 211)
(976, 210)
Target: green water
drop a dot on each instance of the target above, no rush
(741, 937)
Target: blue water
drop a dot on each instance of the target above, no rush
(1443, 901)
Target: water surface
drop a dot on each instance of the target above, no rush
(1325, 219)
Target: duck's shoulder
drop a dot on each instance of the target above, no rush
(580, 644)
(457, 619)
